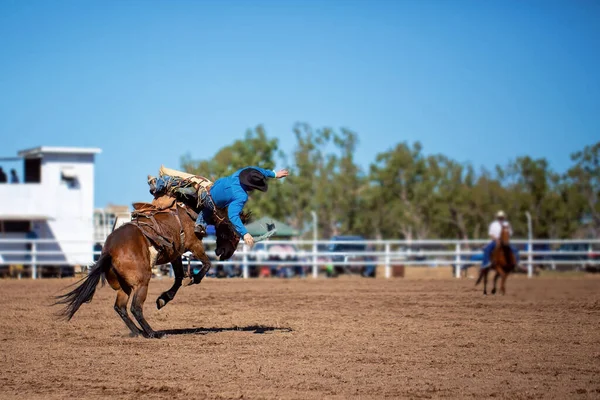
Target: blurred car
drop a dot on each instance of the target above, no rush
(593, 261)
(568, 261)
(539, 260)
(343, 244)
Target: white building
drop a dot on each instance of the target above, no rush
(109, 218)
(54, 200)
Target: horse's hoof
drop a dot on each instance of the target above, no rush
(160, 303)
(493, 291)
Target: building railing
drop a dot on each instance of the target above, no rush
(314, 254)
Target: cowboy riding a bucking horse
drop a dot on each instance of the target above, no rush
(229, 193)
(162, 231)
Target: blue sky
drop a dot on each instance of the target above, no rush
(148, 81)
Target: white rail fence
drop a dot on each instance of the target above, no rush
(312, 255)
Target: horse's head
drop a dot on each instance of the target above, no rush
(505, 235)
(227, 238)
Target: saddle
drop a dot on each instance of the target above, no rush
(143, 218)
(158, 204)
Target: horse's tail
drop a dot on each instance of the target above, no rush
(84, 292)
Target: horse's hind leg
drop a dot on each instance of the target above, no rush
(121, 309)
(123, 292)
(137, 309)
(169, 295)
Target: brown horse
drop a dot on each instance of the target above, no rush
(502, 261)
(131, 251)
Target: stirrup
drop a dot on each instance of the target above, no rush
(200, 231)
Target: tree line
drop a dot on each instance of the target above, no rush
(408, 194)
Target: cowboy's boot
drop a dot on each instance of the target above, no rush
(200, 232)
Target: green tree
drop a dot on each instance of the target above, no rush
(403, 198)
(255, 149)
(584, 177)
(408, 194)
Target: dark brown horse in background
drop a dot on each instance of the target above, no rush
(503, 261)
(129, 254)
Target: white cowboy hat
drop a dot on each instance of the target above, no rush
(500, 214)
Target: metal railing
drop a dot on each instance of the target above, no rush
(315, 254)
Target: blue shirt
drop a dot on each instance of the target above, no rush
(228, 192)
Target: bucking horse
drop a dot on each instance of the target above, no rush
(159, 233)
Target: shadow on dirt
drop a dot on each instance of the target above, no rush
(256, 329)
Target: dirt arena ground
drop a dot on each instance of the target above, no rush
(306, 339)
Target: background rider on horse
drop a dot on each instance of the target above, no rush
(231, 192)
(494, 232)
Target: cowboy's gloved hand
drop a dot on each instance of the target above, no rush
(249, 240)
(282, 173)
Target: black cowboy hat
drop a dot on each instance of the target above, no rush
(252, 179)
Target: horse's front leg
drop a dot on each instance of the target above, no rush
(495, 281)
(485, 276)
(169, 295)
(197, 249)
(504, 275)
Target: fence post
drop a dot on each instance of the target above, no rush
(457, 261)
(245, 271)
(529, 258)
(388, 267)
(315, 267)
(529, 245)
(34, 260)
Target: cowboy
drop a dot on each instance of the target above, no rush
(494, 231)
(232, 192)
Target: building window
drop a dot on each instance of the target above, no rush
(15, 226)
(33, 170)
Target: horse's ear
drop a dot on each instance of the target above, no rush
(246, 217)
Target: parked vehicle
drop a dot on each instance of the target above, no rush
(339, 244)
(593, 261)
(568, 261)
